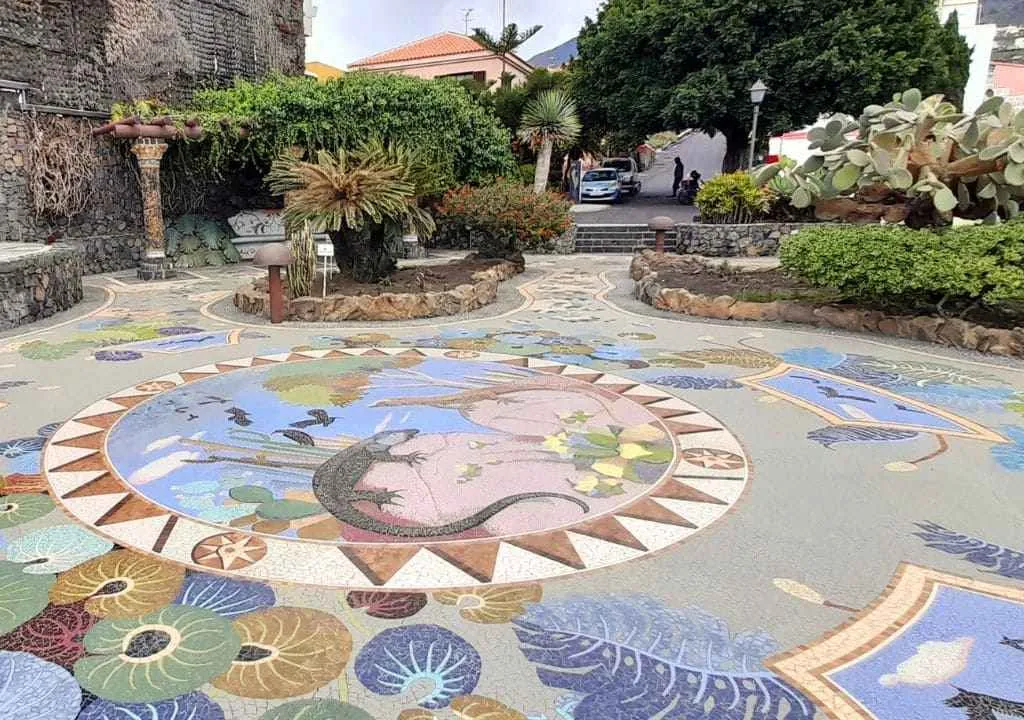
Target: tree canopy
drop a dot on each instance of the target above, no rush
(645, 65)
(253, 123)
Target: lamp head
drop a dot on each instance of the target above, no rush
(757, 92)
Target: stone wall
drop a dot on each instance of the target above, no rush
(733, 240)
(108, 231)
(37, 281)
(1009, 44)
(253, 298)
(87, 54)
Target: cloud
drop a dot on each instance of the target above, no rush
(161, 443)
(341, 33)
(161, 467)
(935, 662)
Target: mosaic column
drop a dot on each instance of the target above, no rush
(155, 263)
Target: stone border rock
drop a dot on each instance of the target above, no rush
(750, 240)
(951, 332)
(39, 284)
(252, 298)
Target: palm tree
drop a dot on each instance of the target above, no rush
(505, 44)
(549, 119)
(364, 199)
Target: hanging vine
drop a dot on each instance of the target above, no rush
(60, 163)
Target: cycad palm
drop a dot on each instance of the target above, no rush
(550, 119)
(505, 44)
(363, 198)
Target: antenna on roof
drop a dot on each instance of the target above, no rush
(467, 17)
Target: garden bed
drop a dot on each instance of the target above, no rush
(416, 292)
(688, 286)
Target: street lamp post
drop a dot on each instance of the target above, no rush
(757, 92)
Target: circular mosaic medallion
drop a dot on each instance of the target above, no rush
(395, 467)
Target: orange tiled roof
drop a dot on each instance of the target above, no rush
(446, 43)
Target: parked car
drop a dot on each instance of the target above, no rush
(629, 174)
(600, 185)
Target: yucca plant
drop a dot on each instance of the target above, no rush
(550, 119)
(365, 199)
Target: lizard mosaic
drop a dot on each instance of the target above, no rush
(334, 484)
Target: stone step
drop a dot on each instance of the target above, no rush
(612, 245)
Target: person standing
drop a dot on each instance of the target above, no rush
(677, 180)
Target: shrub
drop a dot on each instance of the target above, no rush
(527, 171)
(890, 266)
(251, 123)
(501, 219)
(732, 198)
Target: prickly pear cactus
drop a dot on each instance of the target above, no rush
(914, 148)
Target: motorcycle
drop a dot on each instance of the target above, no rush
(688, 191)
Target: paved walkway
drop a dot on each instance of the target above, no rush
(569, 506)
(697, 151)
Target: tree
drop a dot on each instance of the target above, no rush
(645, 65)
(548, 120)
(464, 141)
(364, 199)
(508, 103)
(505, 44)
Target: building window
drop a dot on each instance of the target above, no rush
(459, 77)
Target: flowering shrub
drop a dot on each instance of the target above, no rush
(501, 219)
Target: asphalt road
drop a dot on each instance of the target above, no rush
(697, 151)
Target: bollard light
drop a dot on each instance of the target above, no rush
(274, 257)
(660, 225)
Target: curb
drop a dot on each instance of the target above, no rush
(950, 332)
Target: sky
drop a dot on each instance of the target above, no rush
(347, 30)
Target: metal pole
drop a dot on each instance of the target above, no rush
(504, 22)
(276, 292)
(753, 136)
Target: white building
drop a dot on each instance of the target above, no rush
(981, 39)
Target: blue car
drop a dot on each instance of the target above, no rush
(601, 185)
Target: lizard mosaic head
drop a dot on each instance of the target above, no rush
(391, 438)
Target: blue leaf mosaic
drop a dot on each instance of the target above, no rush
(961, 397)
(813, 357)
(33, 689)
(397, 658)
(633, 659)
(833, 435)
(194, 706)
(696, 382)
(225, 596)
(21, 446)
(994, 558)
(1010, 455)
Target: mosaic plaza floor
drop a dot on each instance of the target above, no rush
(568, 506)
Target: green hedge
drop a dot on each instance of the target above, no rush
(892, 266)
(253, 123)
